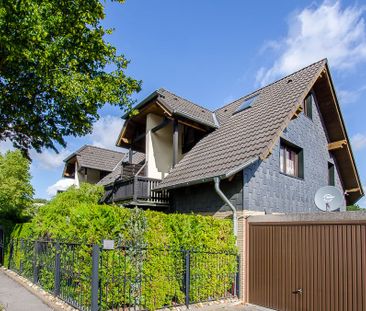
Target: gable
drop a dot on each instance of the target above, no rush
(251, 134)
(169, 106)
(245, 136)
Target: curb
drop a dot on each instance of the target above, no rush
(37, 291)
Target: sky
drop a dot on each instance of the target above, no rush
(214, 51)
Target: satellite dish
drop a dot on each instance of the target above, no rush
(329, 199)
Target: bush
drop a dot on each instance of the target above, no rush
(149, 248)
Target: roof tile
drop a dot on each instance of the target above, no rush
(243, 136)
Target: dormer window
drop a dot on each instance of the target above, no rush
(308, 105)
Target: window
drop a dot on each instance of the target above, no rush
(308, 105)
(246, 103)
(331, 180)
(291, 160)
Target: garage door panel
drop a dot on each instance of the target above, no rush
(308, 266)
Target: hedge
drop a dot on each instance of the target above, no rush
(149, 241)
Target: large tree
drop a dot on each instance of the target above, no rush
(56, 71)
(16, 190)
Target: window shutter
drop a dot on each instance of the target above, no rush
(331, 177)
(310, 106)
(301, 163)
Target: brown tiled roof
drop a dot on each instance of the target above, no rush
(137, 158)
(183, 107)
(97, 158)
(247, 135)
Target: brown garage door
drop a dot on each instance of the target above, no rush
(308, 266)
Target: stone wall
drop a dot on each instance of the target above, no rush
(202, 198)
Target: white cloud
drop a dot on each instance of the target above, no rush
(105, 132)
(61, 185)
(350, 96)
(358, 141)
(326, 31)
(49, 159)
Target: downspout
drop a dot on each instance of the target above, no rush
(227, 201)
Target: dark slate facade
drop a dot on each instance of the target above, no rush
(266, 189)
(263, 187)
(203, 198)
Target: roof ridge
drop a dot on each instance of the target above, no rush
(97, 147)
(274, 82)
(188, 100)
(205, 159)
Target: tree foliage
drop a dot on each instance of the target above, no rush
(53, 71)
(15, 188)
(148, 246)
(354, 208)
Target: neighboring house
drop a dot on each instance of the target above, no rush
(269, 151)
(101, 166)
(92, 164)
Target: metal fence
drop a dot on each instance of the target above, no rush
(90, 277)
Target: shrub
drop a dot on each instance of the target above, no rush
(149, 249)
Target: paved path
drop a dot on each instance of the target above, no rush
(231, 307)
(14, 297)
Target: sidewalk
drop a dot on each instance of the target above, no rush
(14, 297)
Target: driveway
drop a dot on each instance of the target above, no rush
(14, 297)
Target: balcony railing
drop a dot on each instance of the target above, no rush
(137, 189)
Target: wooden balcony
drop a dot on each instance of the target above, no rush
(136, 190)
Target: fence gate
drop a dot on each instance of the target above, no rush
(308, 266)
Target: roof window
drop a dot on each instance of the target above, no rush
(247, 103)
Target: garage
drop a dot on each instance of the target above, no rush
(308, 262)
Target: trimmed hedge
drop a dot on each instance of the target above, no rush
(154, 241)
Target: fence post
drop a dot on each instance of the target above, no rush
(11, 253)
(187, 276)
(35, 263)
(57, 269)
(21, 253)
(95, 278)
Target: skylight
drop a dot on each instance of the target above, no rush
(246, 103)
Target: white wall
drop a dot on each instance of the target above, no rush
(159, 147)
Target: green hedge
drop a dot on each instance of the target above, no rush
(154, 242)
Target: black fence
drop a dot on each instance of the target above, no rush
(90, 277)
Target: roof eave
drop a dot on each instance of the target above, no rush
(346, 134)
(187, 116)
(211, 178)
(142, 103)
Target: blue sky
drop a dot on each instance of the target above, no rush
(212, 52)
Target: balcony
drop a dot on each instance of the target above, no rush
(136, 191)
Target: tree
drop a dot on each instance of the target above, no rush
(53, 71)
(354, 208)
(16, 190)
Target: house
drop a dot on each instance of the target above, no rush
(92, 164)
(268, 151)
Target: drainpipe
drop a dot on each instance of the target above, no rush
(227, 201)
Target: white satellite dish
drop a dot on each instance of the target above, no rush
(329, 199)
